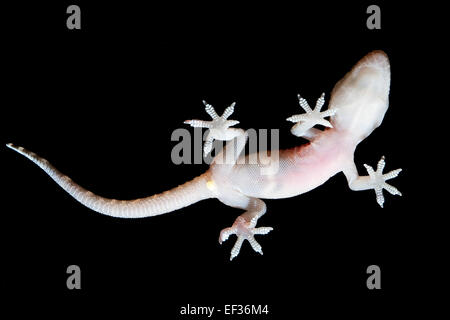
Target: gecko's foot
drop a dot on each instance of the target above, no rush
(377, 180)
(244, 231)
(304, 122)
(219, 127)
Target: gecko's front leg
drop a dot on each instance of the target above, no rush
(375, 180)
(244, 226)
(305, 122)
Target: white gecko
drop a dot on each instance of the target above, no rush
(357, 106)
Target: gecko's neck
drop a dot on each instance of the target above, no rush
(330, 140)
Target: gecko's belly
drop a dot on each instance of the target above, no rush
(290, 176)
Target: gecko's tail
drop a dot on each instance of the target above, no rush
(179, 197)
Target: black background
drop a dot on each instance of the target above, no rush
(101, 103)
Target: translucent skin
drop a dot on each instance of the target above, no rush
(357, 106)
(361, 100)
(300, 169)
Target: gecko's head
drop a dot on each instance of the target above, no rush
(362, 96)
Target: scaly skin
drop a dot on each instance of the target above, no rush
(357, 106)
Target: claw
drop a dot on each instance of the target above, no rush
(237, 247)
(219, 126)
(225, 234)
(307, 120)
(377, 178)
(244, 231)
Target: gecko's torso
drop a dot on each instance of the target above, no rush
(299, 169)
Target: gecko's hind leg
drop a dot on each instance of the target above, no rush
(219, 127)
(311, 134)
(244, 227)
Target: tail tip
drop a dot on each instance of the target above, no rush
(12, 146)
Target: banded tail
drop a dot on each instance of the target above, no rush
(176, 198)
